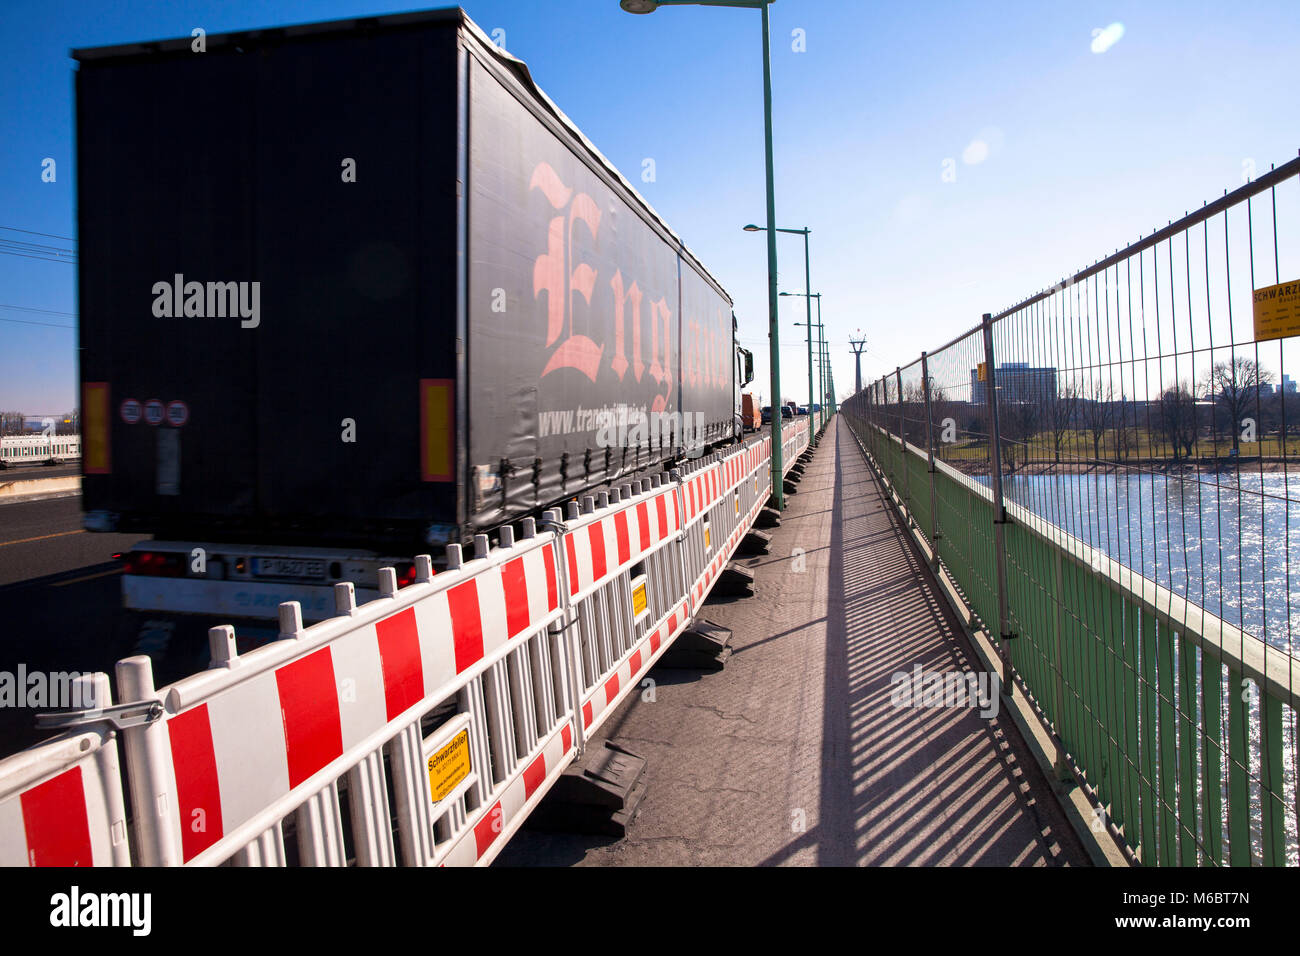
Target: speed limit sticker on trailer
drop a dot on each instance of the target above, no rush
(449, 766)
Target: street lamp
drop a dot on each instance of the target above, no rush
(807, 284)
(773, 331)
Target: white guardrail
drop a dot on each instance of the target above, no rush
(442, 712)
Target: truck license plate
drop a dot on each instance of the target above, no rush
(288, 568)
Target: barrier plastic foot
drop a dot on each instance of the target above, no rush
(599, 795)
(768, 518)
(702, 646)
(735, 581)
(756, 542)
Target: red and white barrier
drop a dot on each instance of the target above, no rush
(443, 712)
(61, 801)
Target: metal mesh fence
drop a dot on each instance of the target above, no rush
(1104, 472)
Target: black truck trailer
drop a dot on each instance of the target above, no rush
(362, 285)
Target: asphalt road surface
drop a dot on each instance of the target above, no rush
(59, 591)
(26, 472)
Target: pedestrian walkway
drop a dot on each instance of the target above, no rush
(796, 754)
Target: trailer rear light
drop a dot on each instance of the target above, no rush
(158, 564)
(405, 574)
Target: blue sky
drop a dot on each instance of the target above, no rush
(1084, 151)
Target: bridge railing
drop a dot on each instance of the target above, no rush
(420, 728)
(1103, 473)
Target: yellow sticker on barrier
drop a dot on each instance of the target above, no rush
(449, 766)
(1277, 311)
(638, 599)
(983, 371)
(708, 539)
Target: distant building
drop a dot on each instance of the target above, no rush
(1017, 382)
(1288, 385)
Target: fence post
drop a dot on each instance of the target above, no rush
(999, 505)
(147, 764)
(906, 497)
(883, 425)
(929, 453)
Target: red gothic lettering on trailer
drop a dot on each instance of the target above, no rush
(550, 274)
(712, 360)
(691, 353)
(661, 372)
(706, 356)
(621, 300)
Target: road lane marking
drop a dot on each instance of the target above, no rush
(42, 537)
(88, 577)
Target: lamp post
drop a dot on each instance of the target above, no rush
(773, 332)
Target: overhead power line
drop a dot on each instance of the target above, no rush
(28, 308)
(48, 325)
(47, 235)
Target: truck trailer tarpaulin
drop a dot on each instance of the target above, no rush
(363, 282)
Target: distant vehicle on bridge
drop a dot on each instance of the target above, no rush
(39, 450)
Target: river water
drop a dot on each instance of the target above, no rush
(1228, 544)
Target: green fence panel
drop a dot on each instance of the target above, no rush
(1239, 853)
(1212, 758)
(1187, 750)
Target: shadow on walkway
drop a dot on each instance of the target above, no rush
(907, 785)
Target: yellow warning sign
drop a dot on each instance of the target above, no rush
(638, 599)
(984, 371)
(1277, 311)
(449, 766)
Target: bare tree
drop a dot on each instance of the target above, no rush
(1060, 414)
(11, 423)
(1125, 426)
(1176, 419)
(941, 409)
(1095, 412)
(1289, 413)
(1018, 422)
(1234, 387)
